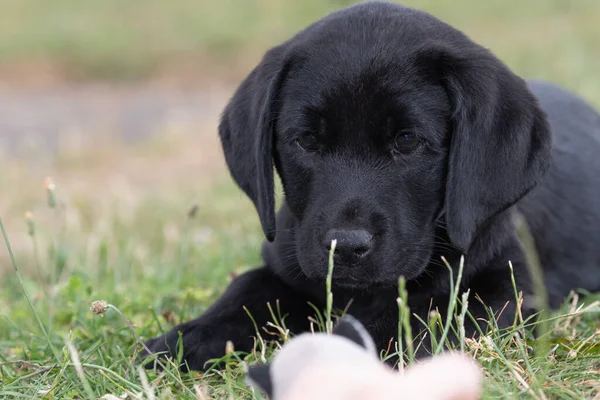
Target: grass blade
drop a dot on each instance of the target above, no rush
(20, 278)
(329, 324)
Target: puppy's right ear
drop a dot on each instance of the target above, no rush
(246, 132)
(351, 329)
(500, 141)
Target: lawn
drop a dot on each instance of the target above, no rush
(158, 229)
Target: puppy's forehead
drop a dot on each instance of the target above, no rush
(361, 95)
(361, 82)
(357, 68)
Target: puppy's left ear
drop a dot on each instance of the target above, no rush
(259, 376)
(501, 140)
(246, 132)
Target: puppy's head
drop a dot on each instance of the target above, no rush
(384, 124)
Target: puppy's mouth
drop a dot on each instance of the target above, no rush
(346, 277)
(349, 277)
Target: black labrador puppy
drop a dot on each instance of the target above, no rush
(399, 137)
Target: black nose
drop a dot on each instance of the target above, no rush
(351, 244)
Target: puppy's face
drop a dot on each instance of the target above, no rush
(363, 158)
(390, 131)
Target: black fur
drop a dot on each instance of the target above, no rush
(359, 79)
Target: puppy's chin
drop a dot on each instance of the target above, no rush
(343, 276)
(354, 285)
(362, 276)
(348, 281)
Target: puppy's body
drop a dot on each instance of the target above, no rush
(563, 211)
(395, 134)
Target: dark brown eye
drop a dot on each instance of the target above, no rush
(308, 141)
(406, 142)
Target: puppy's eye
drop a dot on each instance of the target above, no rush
(308, 141)
(406, 142)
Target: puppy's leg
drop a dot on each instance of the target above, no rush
(497, 294)
(490, 292)
(205, 337)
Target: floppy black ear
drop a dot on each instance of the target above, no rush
(350, 328)
(260, 377)
(246, 132)
(500, 144)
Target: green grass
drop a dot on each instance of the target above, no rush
(159, 265)
(139, 260)
(123, 235)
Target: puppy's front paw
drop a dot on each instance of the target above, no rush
(196, 347)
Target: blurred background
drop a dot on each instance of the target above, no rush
(118, 101)
(112, 181)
